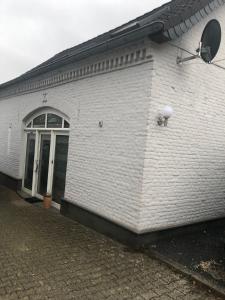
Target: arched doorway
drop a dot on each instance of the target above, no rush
(47, 141)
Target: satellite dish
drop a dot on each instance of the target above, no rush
(210, 41)
(209, 44)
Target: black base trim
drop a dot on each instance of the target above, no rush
(120, 233)
(10, 182)
(98, 223)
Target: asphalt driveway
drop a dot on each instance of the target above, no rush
(44, 255)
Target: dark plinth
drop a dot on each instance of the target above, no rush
(120, 233)
(10, 182)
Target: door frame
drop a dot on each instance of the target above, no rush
(37, 166)
(38, 132)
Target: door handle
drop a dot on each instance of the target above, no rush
(36, 169)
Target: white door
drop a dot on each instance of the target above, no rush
(43, 164)
(46, 163)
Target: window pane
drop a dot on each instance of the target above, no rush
(39, 122)
(66, 124)
(28, 178)
(44, 163)
(54, 121)
(59, 177)
(29, 125)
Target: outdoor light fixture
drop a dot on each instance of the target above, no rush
(164, 116)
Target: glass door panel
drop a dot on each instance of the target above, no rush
(29, 163)
(60, 165)
(45, 143)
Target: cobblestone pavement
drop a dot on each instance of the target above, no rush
(46, 256)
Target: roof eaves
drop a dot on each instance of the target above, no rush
(137, 33)
(176, 28)
(163, 24)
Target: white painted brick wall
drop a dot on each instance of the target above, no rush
(131, 171)
(184, 168)
(105, 165)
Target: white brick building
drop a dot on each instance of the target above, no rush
(108, 93)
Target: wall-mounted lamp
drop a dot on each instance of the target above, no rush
(164, 116)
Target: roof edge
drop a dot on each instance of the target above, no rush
(176, 31)
(138, 33)
(154, 25)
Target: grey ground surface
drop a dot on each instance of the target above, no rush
(200, 252)
(46, 256)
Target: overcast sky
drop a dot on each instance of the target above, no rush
(32, 31)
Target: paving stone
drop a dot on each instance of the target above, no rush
(46, 256)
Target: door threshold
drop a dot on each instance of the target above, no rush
(23, 194)
(56, 205)
(27, 197)
(32, 200)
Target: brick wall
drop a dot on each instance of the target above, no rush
(184, 168)
(105, 165)
(131, 171)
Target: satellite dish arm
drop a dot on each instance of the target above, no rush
(181, 60)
